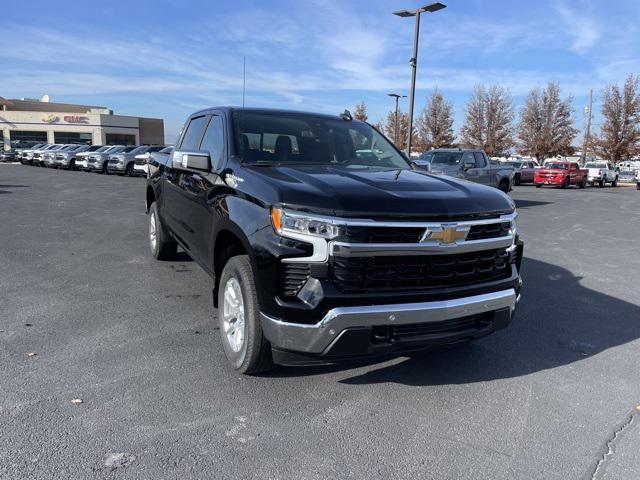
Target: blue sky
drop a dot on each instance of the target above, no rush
(168, 58)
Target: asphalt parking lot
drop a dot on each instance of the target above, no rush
(553, 396)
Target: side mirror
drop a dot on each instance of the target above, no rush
(193, 160)
(468, 164)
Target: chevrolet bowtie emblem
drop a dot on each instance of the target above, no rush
(445, 234)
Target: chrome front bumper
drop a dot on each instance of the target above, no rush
(318, 338)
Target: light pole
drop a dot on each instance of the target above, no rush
(432, 7)
(395, 129)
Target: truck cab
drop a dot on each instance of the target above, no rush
(325, 244)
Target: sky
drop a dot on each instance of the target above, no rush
(169, 58)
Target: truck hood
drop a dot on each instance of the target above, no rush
(379, 193)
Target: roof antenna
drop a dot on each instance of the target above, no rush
(244, 78)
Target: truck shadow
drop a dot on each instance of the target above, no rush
(558, 322)
(3, 191)
(530, 203)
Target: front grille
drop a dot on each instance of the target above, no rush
(379, 274)
(366, 234)
(113, 162)
(293, 278)
(491, 230)
(394, 333)
(142, 161)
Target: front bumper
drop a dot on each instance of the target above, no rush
(116, 167)
(360, 331)
(140, 170)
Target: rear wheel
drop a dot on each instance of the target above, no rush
(602, 183)
(504, 185)
(566, 183)
(162, 246)
(583, 183)
(245, 346)
(538, 185)
(516, 180)
(615, 182)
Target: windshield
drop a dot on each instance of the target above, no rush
(129, 149)
(306, 139)
(103, 149)
(117, 149)
(446, 158)
(513, 164)
(595, 165)
(166, 150)
(558, 166)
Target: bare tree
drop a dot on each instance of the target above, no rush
(619, 136)
(546, 127)
(489, 120)
(403, 124)
(435, 123)
(361, 112)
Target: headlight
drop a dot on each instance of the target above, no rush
(297, 223)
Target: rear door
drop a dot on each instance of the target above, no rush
(485, 175)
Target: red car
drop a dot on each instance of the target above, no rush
(561, 174)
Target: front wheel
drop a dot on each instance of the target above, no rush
(129, 170)
(162, 246)
(615, 182)
(504, 186)
(517, 180)
(602, 183)
(245, 346)
(583, 184)
(566, 183)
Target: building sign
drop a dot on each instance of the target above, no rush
(51, 118)
(76, 119)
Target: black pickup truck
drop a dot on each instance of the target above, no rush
(325, 244)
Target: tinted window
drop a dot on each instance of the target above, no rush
(191, 138)
(468, 157)
(480, 162)
(213, 141)
(446, 158)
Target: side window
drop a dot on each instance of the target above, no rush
(480, 160)
(192, 135)
(213, 141)
(467, 157)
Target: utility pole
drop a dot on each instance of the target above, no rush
(587, 131)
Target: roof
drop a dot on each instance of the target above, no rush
(268, 111)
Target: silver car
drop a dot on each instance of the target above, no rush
(37, 158)
(140, 167)
(82, 159)
(97, 161)
(66, 158)
(49, 158)
(122, 163)
(22, 152)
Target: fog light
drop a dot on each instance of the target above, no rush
(311, 293)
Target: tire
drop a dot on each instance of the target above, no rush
(614, 184)
(162, 246)
(72, 165)
(503, 186)
(602, 183)
(244, 344)
(566, 183)
(129, 170)
(583, 184)
(516, 180)
(104, 169)
(538, 185)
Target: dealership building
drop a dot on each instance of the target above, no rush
(32, 120)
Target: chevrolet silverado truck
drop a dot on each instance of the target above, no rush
(472, 165)
(561, 174)
(325, 244)
(601, 173)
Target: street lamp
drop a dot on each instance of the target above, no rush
(432, 7)
(395, 129)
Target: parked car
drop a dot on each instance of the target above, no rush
(7, 155)
(122, 163)
(38, 155)
(66, 158)
(26, 155)
(49, 158)
(97, 162)
(627, 176)
(601, 173)
(561, 174)
(82, 158)
(321, 252)
(472, 165)
(141, 166)
(523, 171)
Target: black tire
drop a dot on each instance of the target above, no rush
(583, 184)
(538, 185)
(516, 180)
(602, 183)
(254, 354)
(104, 169)
(129, 170)
(72, 165)
(504, 186)
(566, 183)
(614, 184)
(164, 247)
